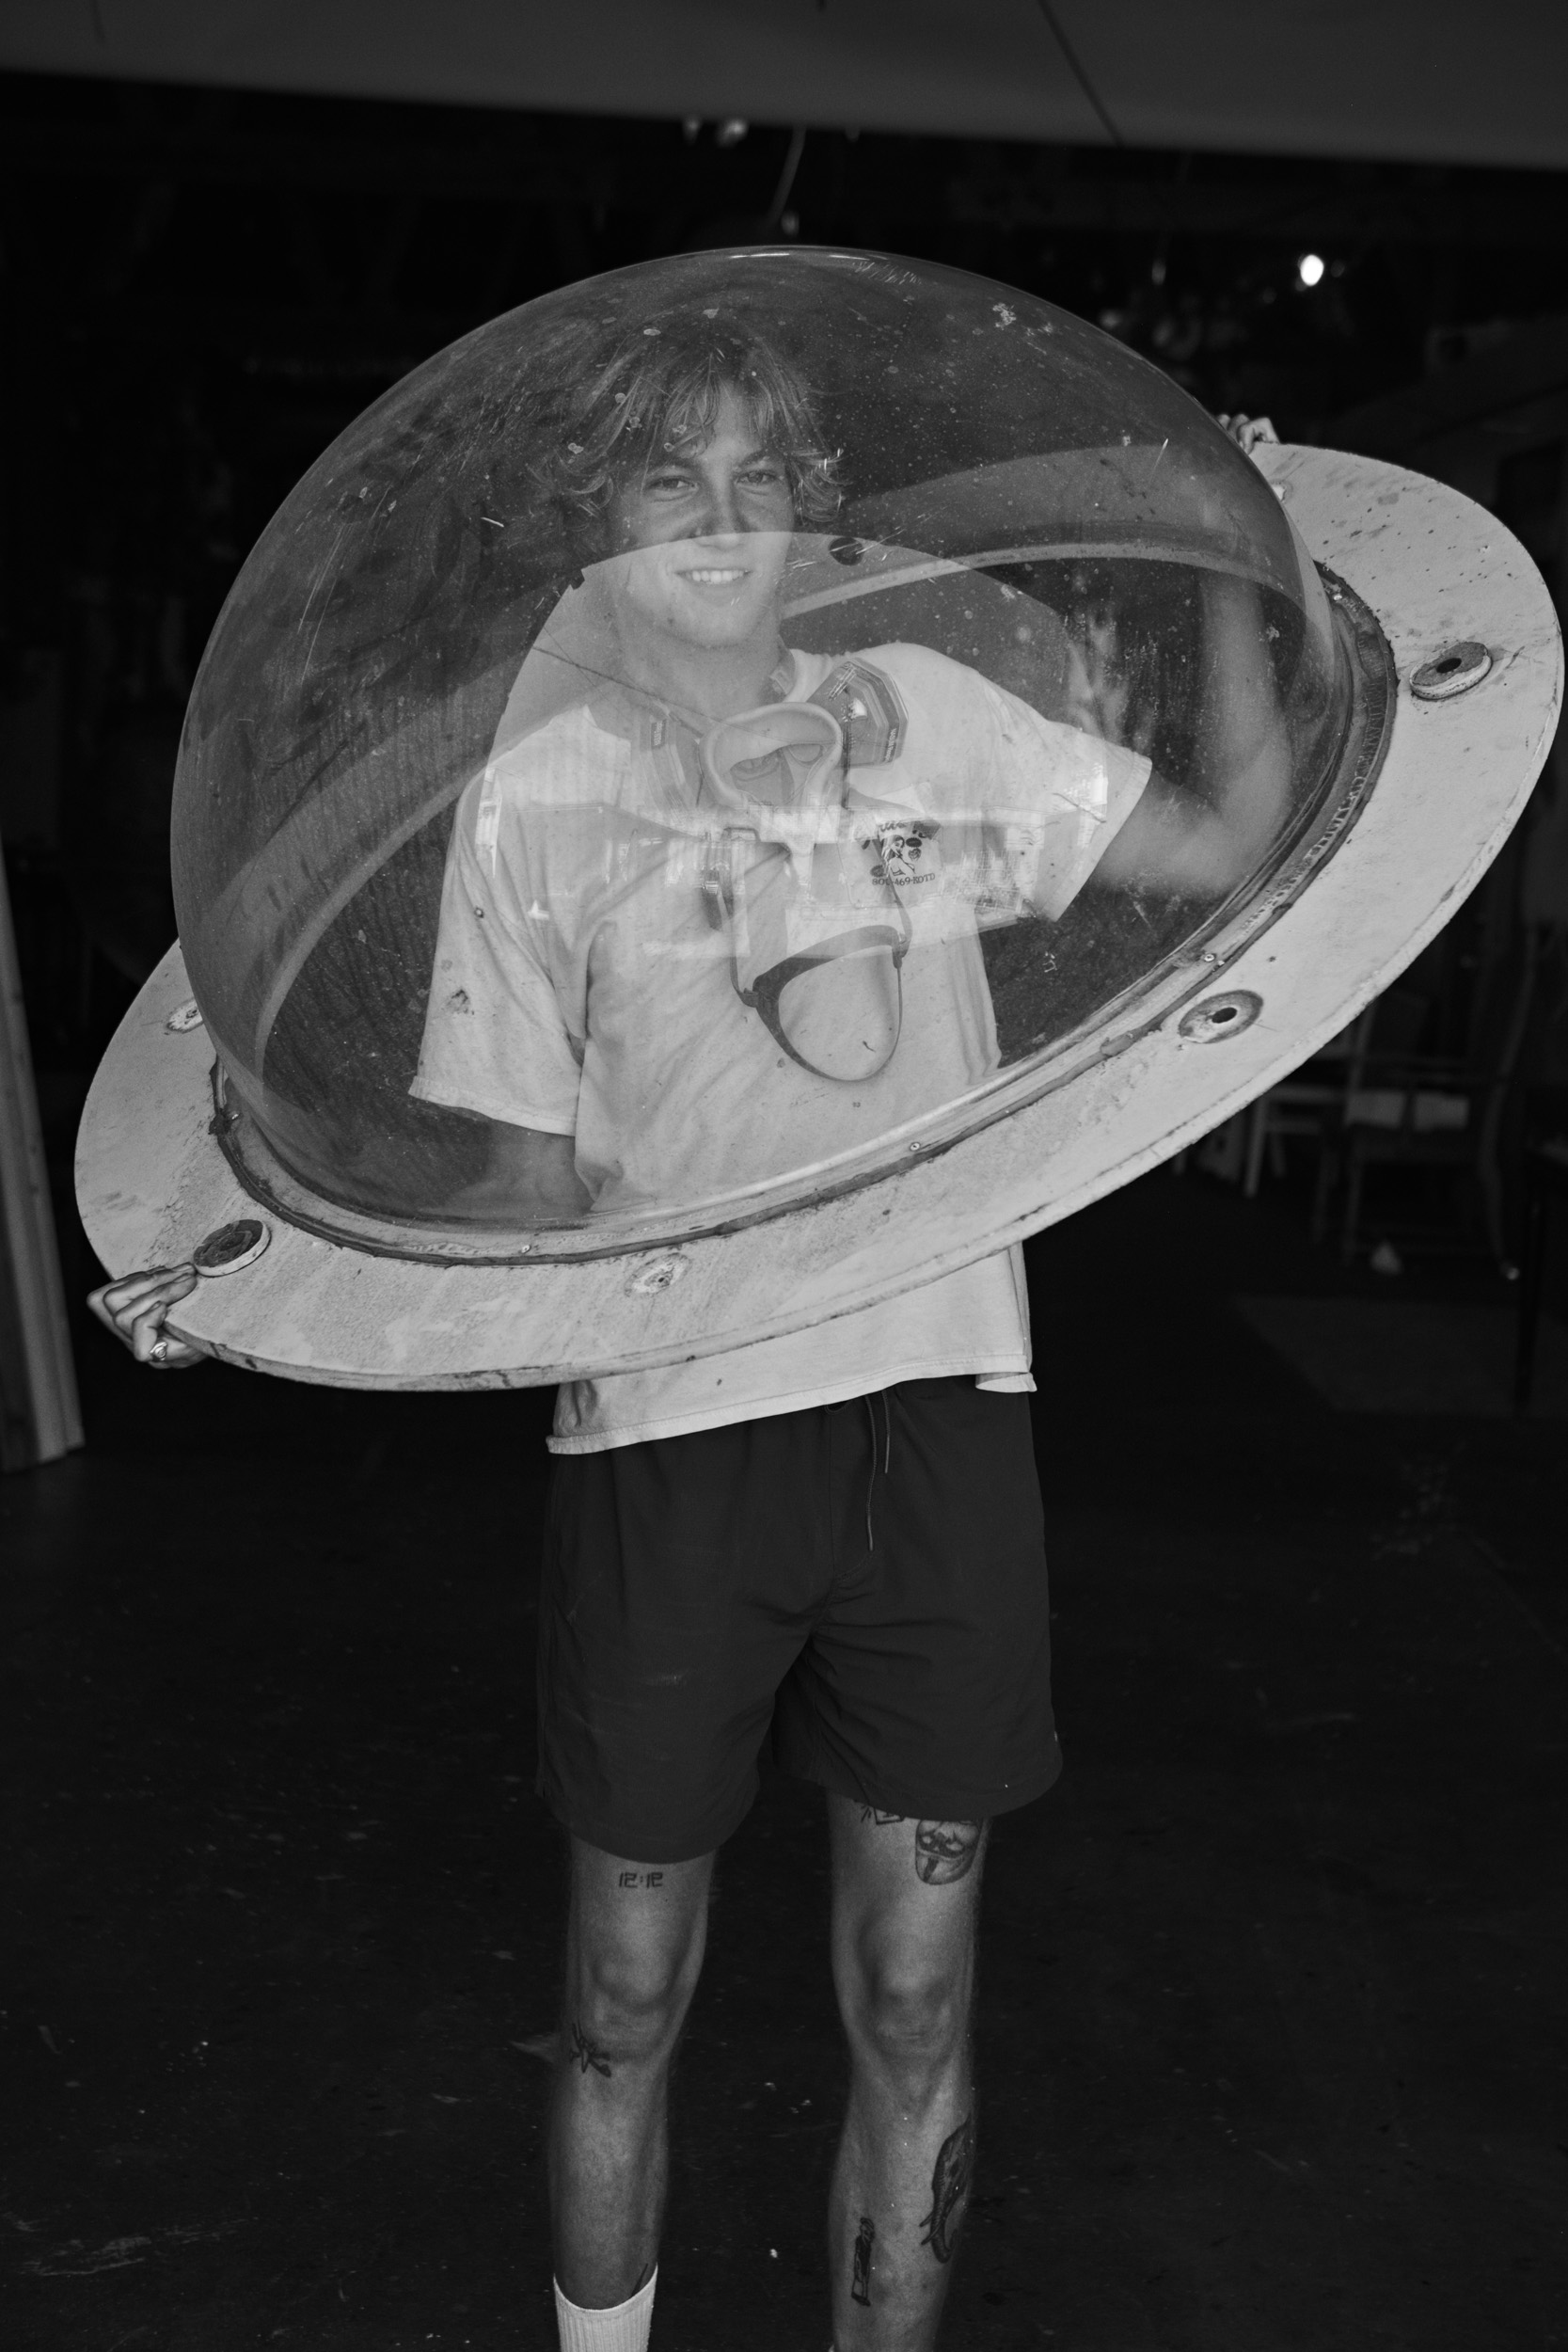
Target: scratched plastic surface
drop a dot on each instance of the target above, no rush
(717, 724)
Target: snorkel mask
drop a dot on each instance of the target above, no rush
(818, 937)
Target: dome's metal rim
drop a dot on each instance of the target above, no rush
(1432, 566)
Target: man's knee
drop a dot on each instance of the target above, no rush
(906, 2008)
(630, 1997)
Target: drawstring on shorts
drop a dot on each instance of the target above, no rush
(887, 1456)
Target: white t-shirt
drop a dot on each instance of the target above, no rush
(583, 986)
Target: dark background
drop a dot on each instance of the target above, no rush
(1272, 2043)
(199, 289)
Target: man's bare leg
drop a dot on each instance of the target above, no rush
(634, 1951)
(906, 1900)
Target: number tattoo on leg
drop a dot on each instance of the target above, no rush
(586, 2053)
(950, 2180)
(859, 2284)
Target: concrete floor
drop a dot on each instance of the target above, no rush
(1272, 2032)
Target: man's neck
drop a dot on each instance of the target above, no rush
(704, 683)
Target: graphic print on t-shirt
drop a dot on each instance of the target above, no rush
(901, 851)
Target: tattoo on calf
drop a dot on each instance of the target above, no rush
(585, 2052)
(945, 1851)
(859, 2284)
(950, 2180)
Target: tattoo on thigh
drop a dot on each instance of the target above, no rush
(883, 1820)
(945, 1850)
(950, 2180)
(859, 2284)
(586, 2053)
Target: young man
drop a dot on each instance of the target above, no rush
(716, 917)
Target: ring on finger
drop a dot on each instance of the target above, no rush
(158, 1352)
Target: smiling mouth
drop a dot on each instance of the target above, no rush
(715, 576)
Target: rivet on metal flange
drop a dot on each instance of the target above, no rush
(230, 1248)
(1221, 1016)
(1453, 670)
(657, 1274)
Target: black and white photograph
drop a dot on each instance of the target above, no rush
(783, 1176)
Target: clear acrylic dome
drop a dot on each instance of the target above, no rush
(719, 725)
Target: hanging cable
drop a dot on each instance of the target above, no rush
(1079, 76)
(786, 178)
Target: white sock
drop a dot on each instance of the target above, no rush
(624, 2328)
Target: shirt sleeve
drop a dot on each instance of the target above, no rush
(1054, 799)
(495, 1038)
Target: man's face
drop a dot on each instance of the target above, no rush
(707, 532)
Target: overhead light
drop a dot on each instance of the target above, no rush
(730, 132)
(1310, 268)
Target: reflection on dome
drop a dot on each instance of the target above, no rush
(719, 724)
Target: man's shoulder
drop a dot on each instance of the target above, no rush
(563, 760)
(919, 668)
(923, 694)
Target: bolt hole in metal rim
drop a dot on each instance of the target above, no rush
(659, 1273)
(1453, 670)
(232, 1247)
(1456, 770)
(1220, 1017)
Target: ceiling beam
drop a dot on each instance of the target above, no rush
(890, 178)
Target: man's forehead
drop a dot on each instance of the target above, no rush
(734, 418)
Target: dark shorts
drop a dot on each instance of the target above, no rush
(862, 1584)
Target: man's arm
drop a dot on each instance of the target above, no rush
(533, 1175)
(1175, 843)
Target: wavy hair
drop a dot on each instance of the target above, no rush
(658, 392)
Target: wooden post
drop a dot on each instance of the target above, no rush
(40, 1416)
